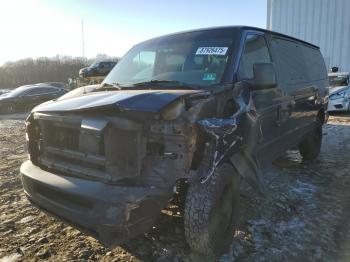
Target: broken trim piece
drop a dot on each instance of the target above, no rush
(226, 132)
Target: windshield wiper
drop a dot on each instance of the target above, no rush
(173, 83)
(109, 86)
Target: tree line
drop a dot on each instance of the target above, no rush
(44, 69)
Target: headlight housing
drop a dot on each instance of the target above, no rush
(33, 138)
(341, 94)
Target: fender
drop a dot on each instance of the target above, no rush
(231, 140)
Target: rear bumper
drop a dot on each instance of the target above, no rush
(112, 214)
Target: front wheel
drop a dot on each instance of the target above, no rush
(211, 212)
(310, 146)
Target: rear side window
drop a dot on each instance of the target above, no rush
(40, 91)
(33, 92)
(289, 59)
(47, 90)
(297, 62)
(315, 63)
(255, 51)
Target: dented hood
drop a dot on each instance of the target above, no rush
(133, 100)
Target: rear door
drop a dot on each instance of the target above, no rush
(267, 102)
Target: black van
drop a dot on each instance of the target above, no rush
(197, 112)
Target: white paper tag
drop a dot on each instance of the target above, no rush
(211, 50)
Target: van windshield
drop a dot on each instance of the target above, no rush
(341, 80)
(186, 59)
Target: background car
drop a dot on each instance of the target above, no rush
(24, 98)
(4, 91)
(97, 69)
(56, 84)
(339, 92)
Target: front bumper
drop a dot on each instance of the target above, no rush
(341, 104)
(112, 214)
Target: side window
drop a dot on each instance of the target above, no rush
(48, 90)
(33, 92)
(290, 60)
(255, 51)
(40, 91)
(315, 63)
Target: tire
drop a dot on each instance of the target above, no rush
(310, 146)
(211, 211)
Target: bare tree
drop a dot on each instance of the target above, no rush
(44, 69)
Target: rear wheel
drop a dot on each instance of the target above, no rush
(310, 146)
(211, 212)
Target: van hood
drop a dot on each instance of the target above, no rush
(337, 89)
(126, 100)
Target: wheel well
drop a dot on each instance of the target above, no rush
(228, 110)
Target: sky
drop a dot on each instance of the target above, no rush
(36, 28)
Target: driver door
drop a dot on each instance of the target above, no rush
(267, 102)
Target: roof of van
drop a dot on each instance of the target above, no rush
(241, 28)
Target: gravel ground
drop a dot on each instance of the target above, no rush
(303, 216)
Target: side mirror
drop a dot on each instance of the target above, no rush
(264, 76)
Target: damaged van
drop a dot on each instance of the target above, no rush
(207, 108)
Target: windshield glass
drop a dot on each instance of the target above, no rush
(186, 58)
(18, 91)
(339, 80)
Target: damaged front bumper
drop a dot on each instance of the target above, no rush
(113, 214)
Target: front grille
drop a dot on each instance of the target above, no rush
(62, 137)
(89, 147)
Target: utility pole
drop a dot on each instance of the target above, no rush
(82, 35)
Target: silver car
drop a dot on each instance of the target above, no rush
(339, 92)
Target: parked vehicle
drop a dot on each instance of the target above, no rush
(26, 97)
(97, 69)
(339, 93)
(56, 84)
(195, 112)
(4, 91)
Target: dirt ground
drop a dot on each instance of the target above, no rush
(304, 215)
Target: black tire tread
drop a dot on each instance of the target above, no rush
(199, 202)
(310, 147)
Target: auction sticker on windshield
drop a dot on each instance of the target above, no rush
(209, 77)
(211, 50)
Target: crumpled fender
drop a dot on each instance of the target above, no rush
(235, 139)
